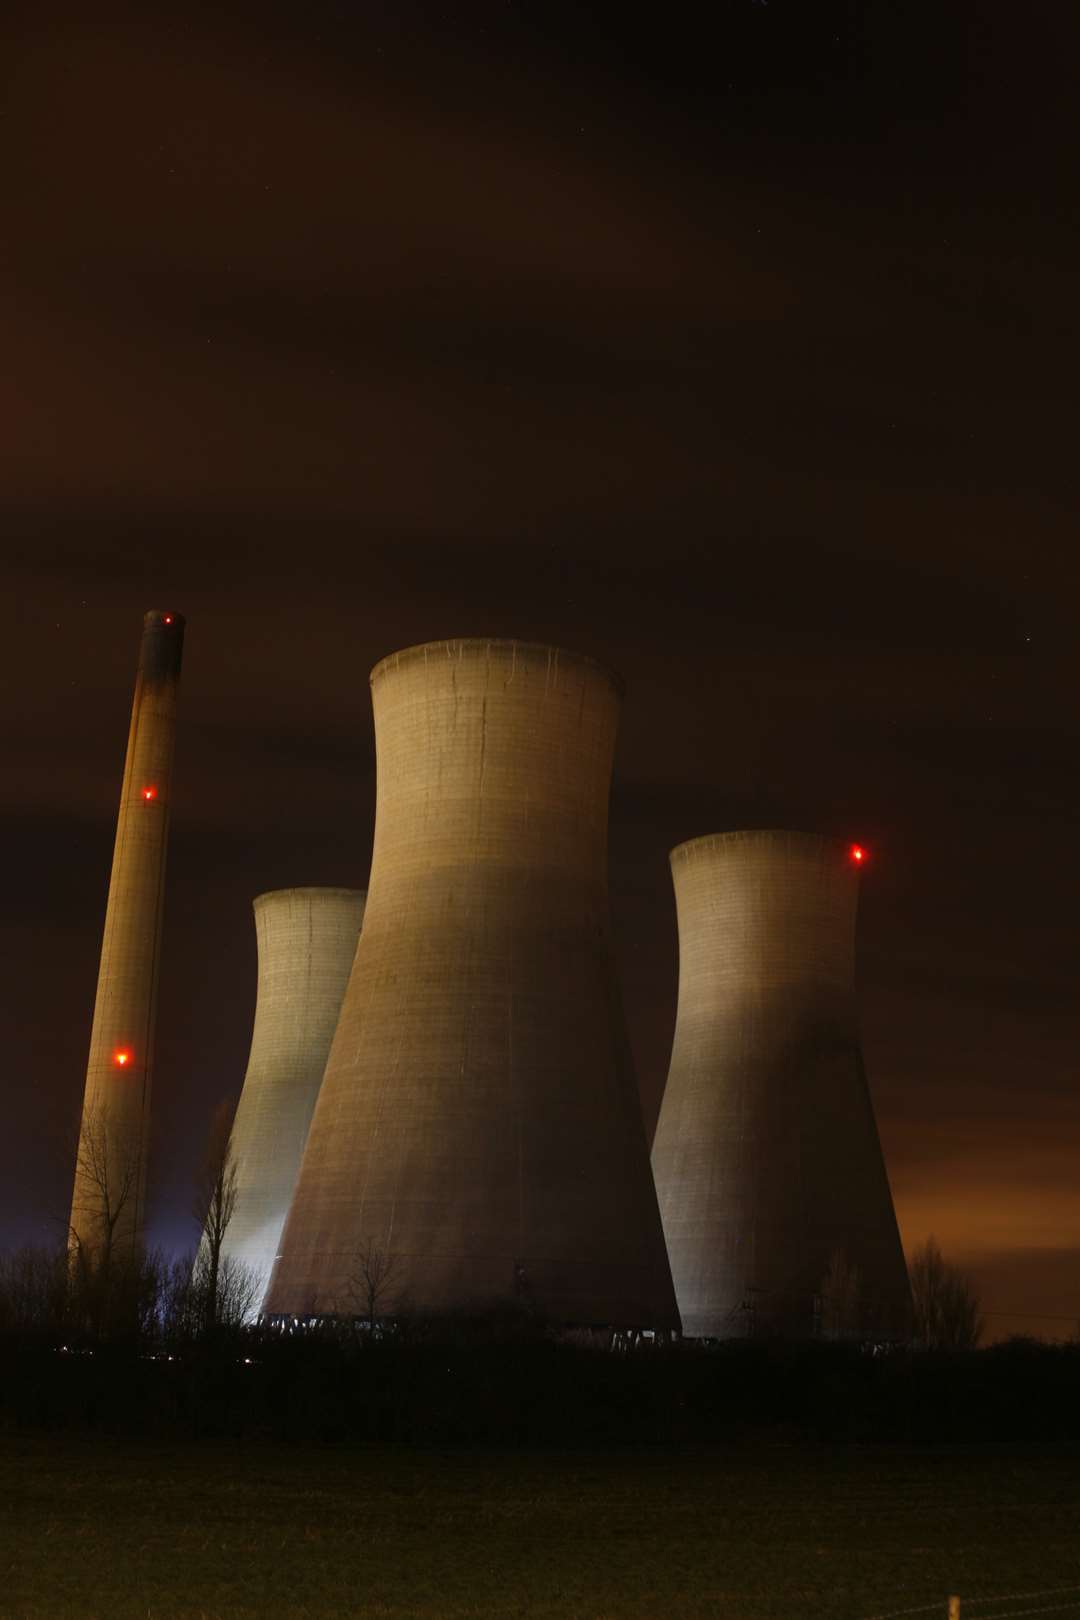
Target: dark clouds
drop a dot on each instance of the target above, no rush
(737, 350)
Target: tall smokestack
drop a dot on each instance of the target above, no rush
(478, 1124)
(108, 1203)
(772, 1187)
(307, 941)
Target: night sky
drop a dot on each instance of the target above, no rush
(734, 345)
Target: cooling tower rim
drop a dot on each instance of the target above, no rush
(323, 890)
(762, 835)
(462, 645)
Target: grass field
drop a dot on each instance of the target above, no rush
(90, 1529)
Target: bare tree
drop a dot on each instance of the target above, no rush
(240, 1291)
(34, 1291)
(946, 1312)
(104, 1251)
(213, 1206)
(372, 1290)
(841, 1302)
(181, 1309)
(106, 1187)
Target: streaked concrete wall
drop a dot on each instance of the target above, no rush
(766, 1153)
(307, 941)
(110, 1174)
(479, 1119)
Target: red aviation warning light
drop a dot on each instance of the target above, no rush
(149, 793)
(168, 618)
(122, 1058)
(857, 854)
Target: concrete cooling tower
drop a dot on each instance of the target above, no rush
(772, 1187)
(478, 1125)
(307, 941)
(108, 1201)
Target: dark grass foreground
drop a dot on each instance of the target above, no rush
(93, 1528)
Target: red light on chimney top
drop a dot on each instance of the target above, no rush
(122, 1058)
(857, 853)
(168, 618)
(149, 793)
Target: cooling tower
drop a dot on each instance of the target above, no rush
(307, 941)
(478, 1123)
(109, 1195)
(771, 1183)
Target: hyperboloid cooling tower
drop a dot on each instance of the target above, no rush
(478, 1125)
(771, 1182)
(109, 1195)
(307, 941)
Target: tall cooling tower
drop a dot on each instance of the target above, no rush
(108, 1201)
(479, 1121)
(772, 1187)
(307, 941)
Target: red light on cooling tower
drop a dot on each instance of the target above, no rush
(857, 854)
(122, 1058)
(168, 618)
(149, 793)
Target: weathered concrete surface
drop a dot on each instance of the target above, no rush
(479, 1119)
(307, 941)
(109, 1196)
(766, 1154)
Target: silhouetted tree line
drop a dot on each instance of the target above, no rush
(161, 1361)
(102, 1288)
(79, 1303)
(101, 1335)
